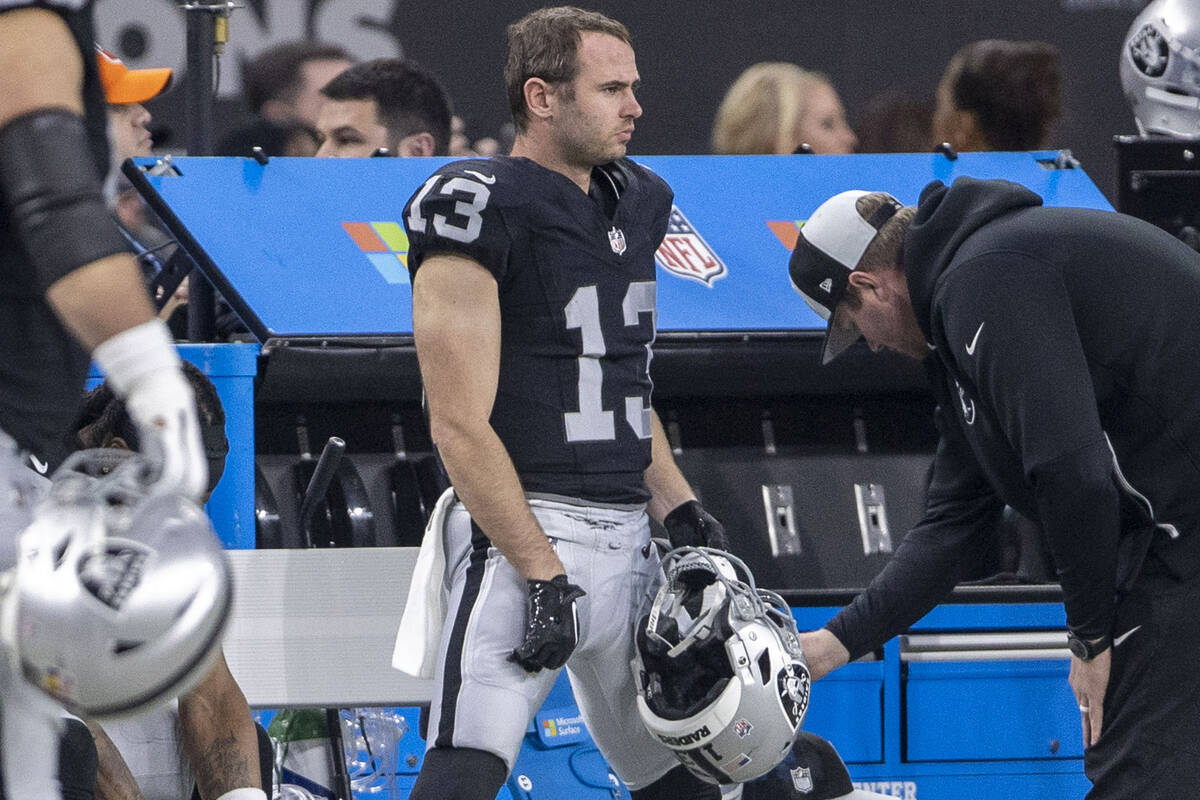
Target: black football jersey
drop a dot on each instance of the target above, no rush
(42, 368)
(577, 304)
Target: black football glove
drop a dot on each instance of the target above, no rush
(689, 525)
(551, 628)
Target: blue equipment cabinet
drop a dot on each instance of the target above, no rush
(972, 702)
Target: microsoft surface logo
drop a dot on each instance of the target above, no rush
(385, 244)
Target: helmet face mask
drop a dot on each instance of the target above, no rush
(119, 599)
(1160, 68)
(721, 678)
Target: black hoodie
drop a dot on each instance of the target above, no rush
(1064, 364)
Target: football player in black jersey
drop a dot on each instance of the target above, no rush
(67, 287)
(533, 315)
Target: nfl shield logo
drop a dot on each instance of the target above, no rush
(616, 240)
(684, 252)
(802, 779)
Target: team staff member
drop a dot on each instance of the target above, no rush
(533, 315)
(67, 287)
(1061, 346)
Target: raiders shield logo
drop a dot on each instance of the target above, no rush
(794, 684)
(802, 779)
(113, 571)
(616, 240)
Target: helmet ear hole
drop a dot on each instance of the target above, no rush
(764, 666)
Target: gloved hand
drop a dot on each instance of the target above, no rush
(551, 625)
(141, 365)
(689, 525)
(163, 406)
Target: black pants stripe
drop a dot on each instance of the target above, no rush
(454, 653)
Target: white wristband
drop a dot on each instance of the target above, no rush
(135, 352)
(246, 793)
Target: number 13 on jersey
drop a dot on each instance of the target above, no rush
(592, 422)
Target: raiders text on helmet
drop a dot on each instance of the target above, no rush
(721, 678)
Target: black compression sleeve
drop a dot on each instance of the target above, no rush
(52, 194)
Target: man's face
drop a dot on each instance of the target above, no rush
(884, 313)
(313, 77)
(127, 131)
(595, 126)
(350, 129)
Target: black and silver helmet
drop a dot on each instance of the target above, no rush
(119, 597)
(721, 678)
(1160, 68)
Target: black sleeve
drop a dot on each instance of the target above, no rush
(1030, 367)
(459, 210)
(960, 514)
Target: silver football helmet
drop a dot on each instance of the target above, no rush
(1160, 68)
(119, 598)
(721, 677)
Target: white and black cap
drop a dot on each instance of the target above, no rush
(830, 247)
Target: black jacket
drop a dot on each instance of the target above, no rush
(1065, 364)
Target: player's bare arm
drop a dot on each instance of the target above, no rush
(456, 329)
(668, 487)
(42, 69)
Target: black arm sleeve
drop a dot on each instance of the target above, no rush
(52, 194)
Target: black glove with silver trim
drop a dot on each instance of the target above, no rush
(551, 625)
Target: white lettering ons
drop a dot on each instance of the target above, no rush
(904, 789)
(363, 28)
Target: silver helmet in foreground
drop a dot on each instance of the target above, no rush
(721, 678)
(119, 597)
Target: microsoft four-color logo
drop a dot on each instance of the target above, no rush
(385, 244)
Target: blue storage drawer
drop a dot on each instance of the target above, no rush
(847, 709)
(1001, 710)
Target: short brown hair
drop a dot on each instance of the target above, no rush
(886, 250)
(545, 44)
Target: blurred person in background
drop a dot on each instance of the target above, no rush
(895, 121)
(776, 107)
(389, 105)
(281, 87)
(998, 95)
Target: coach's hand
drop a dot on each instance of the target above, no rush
(551, 625)
(689, 525)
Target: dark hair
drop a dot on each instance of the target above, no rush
(275, 137)
(104, 417)
(409, 99)
(274, 74)
(895, 122)
(545, 44)
(1013, 88)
